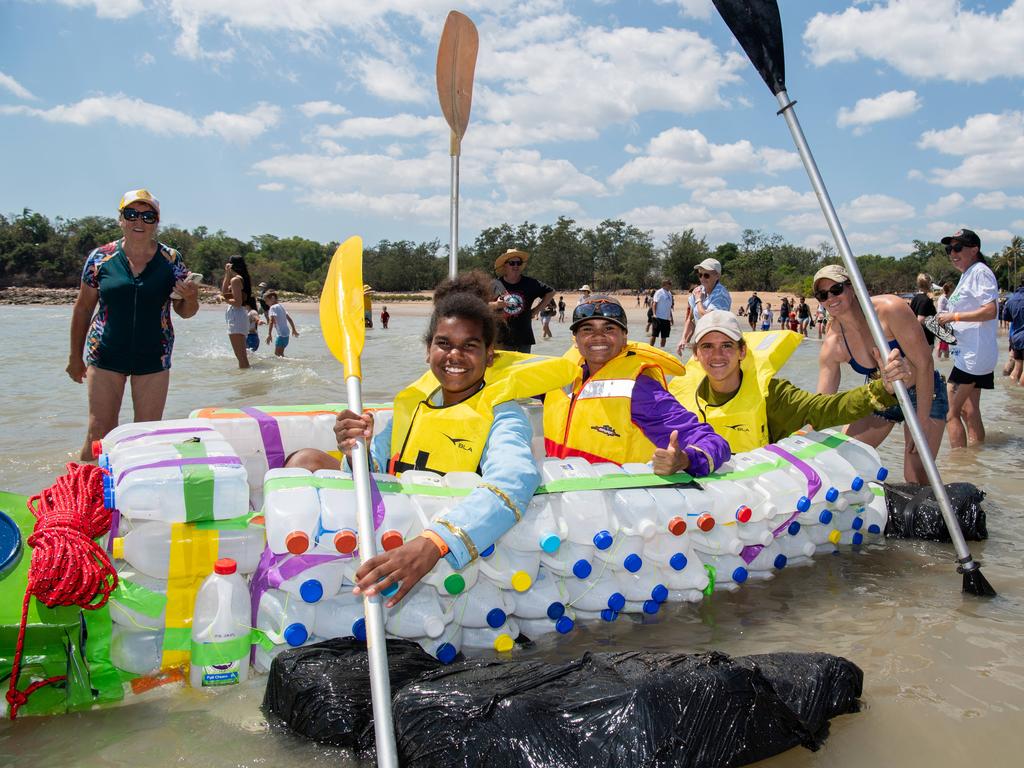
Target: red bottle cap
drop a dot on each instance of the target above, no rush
(391, 540)
(97, 448)
(705, 522)
(296, 542)
(345, 542)
(743, 514)
(677, 526)
(225, 566)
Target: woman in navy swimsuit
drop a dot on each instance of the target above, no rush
(848, 342)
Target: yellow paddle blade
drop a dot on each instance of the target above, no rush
(341, 306)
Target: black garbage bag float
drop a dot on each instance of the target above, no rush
(914, 513)
(602, 709)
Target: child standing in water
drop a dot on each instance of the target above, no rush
(384, 317)
(252, 339)
(279, 322)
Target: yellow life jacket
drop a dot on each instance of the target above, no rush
(451, 438)
(592, 418)
(743, 421)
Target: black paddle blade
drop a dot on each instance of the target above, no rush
(976, 584)
(758, 28)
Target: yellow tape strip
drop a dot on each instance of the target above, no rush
(193, 553)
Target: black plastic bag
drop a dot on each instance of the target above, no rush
(914, 513)
(322, 691)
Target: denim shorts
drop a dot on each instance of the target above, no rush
(940, 403)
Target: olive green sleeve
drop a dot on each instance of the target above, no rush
(790, 408)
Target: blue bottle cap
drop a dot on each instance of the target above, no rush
(446, 653)
(389, 591)
(739, 574)
(803, 504)
(780, 562)
(581, 569)
(295, 634)
(108, 493)
(564, 625)
(858, 539)
(495, 618)
(651, 606)
(359, 629)
(488, 552)
(617, 601)
(311, 590)
(678, 561)
(858, 483)
(874, 528)
(609, 615)
(825, 517)
(549, 542)
(104, 461)
(794, 528)
(602, 540)
(883, 472)
(831, 494)
(633, 563)
(659, 593)
(857, 524)
(556, 611)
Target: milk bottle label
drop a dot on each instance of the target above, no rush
(221, 674)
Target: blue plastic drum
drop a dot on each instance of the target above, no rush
(10, 544)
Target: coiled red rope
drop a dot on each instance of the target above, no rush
(68, 567)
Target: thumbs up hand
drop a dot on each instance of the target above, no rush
(669, 460)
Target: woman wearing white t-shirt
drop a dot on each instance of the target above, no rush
(972, 311)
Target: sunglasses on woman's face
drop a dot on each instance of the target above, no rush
(705, 275)
(514, 262)
(131, 214)
(956, 248)
(591, 309)
(835, 290)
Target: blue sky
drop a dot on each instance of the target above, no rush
(320, 118)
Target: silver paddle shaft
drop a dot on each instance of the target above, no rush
(967, 563)
(453, 248)
(373, 607)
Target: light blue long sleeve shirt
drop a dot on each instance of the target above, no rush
(507, 464)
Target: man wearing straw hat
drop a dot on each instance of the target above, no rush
(516, 300)
(368, 306)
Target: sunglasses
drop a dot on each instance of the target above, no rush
(514, 262)
(602, 308)
(954, 248)
(835, 290)
(703, 275)
(131, 214)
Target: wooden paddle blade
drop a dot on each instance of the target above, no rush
(341, 306)
(758, 28)
(456, 63)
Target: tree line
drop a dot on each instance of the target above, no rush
(614, 255)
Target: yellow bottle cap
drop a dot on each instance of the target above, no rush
(521, 581)
(503, 643)
(834, 537)
(118, 548)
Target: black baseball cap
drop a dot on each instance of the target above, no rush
(966, 237)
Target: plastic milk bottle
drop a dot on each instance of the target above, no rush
(222, 614)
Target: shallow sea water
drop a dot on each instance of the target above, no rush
(943, 672)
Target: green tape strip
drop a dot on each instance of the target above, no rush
(337, 407)
(711, 580)
(104, 677)
(234, 524)
(177, 638)
(223, 652)
(139, 598)
(197, 480)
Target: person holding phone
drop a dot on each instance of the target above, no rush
(131, 283)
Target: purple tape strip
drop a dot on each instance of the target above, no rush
(270, 432)
(175, 431)
(813, 479)
(233, 461)
(749, 553)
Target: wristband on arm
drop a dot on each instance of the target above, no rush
(437, 541)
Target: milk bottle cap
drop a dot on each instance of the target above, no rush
(651, 607)
(633, 563)
(556, 611)
(391, 540)
(454, 584)
(677, 526)
(780, 562)
(295, 634)
(225, 566)
(678, 561)
(581, 569)
(503, 643)
(311, 590)
(495, 618)
(446, 653)
(296, 542)
(564, 625)
(345, 541)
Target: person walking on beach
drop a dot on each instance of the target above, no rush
(753, 310)
(252, 338)
(783, 312)
(132, 283)
(546, 314)
(385, 316)
(803, 314)
(521, 299)
(561, 309)
(584, 295)
(236, 290)
(662, 304)
(279, 322)
(1014, 314)
(766, 318)
(972, 311)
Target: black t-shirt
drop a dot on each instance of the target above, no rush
(923, 306)
(519, 299)
(754, 306)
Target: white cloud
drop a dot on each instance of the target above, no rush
(757, 200)
(403, 125)
(391, 82)
(997, 201)
(696, 9)
(108, 9)
(272, 186)
(992, 147)
(931, 39)
(944, 205)
(9, 83)
(675, 155)
(887, 106)
(369, 173)
(147, 59)
(313, 109)
(525, 175)
(872, 209)
(662, 221)
(1018, 224)
(162, 121)
(801, 221)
